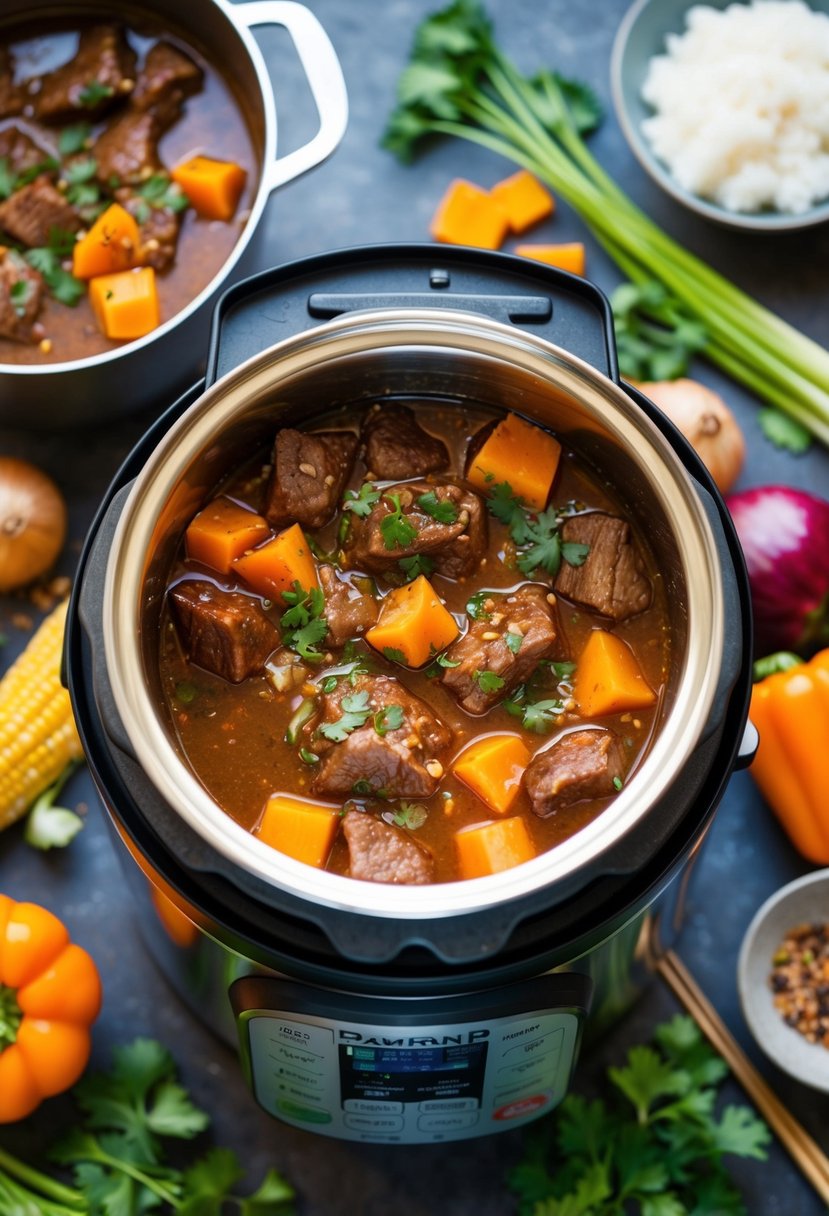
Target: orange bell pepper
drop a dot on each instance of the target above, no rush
(790, 709)
(50, 994)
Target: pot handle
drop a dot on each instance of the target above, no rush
(325, 79)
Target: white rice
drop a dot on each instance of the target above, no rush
(741, 103)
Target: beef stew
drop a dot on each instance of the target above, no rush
(422, 714)
(98, 122)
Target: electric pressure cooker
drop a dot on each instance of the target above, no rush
(388, 1013)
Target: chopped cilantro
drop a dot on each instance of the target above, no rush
(329, 684)
(73, 139)
(784, 432)
(47, 260)
(361, 501)
(303, 623)
(513, 641)
(390, 718)
(539, 716)
(443, 510)
(394, 655)
(488, 681)
(160, 192)
(411, 815)
(563, 670)
(443, 661)
(617, 783)
(397, 531)
(93, 93)
(7, 178)
(535, 534)
(20, 293)
(475, 606)
(356, 711)
(414, 566)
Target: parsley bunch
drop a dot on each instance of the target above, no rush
(655, 336)
(118, 1152)
(653, 1147)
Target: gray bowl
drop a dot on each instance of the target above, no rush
(640, 36)
(804, 900)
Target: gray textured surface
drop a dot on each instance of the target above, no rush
(360, 196)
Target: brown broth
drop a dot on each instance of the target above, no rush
(232, 736)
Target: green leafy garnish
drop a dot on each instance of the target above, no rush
(513, 641)
(390, 718)
(394, 655)
(397, 531)
(82, 190)
(161, 192)
(20, 293)
(653, 1145)
(475, 606)
(307, 756)
(535, 534)
(303, 624)
(93, 93)
(360, 502)
(356, 711)
(655, 337)
(443, 510)
(416, 565)
(443, 660)
(49, 826)
(8, 178)
(488, 681)
(47, 260)
(539, 716)
(74, 138)
(409, 815)
(784, 432)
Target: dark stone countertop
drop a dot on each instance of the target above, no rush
(361, 195)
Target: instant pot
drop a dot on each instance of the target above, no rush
(389, 1013)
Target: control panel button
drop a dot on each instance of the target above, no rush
(303, 1114)
(372, 1106)
(521, 1107)
(374, 1123)
(443, 1104)
(448, 1122)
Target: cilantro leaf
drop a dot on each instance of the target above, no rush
(410, 815)
(475, 606)
(160, 192)
(360, 502)
(389, 718)
(7, 178)
(93, 93)
(443, 660)
(303, 623)
(740, 1131)
(583, 105)
(488, 681)
(647, 1077)
(655, 337)
(783, 431)
(394, 655)
(274, 1197)
(73, 139)
(356, 711)
(416, 565)
(513, 641)
(441, 509)
(539, 716)
(397, 531)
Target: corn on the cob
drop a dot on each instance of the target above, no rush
(38, 736)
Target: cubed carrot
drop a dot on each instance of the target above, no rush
(413, 624)
(110, 246)
(488, 848)
(468, 215)
(493, 768)
(608, 678)
(523, 200)
(276, 565)
(303, 830)
(213, 187)
(223, 531)
(521, 454)
(125, 304)
(567, 256)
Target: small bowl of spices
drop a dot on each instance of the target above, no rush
(783, 978)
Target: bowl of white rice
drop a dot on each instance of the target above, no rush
(726, 105)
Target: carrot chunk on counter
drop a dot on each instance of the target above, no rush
(608, 678)
(523, 199)
(303, 830)
(567, 256)
(521, 454)
(493, 768)
(488, 848)
(413, 624)
(468, 215)
(275, 566)
(223, 531)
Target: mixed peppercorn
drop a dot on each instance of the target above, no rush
(800, 981)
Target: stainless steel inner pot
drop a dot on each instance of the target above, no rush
(155, 368)
(425, 352)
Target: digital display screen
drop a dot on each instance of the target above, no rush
(412, 1074)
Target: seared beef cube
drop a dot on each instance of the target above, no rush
(454, 548)
(126, 152)
(584, 764)
(19, 151)
(12, 97)
(401, 761)
(225, 632)
(100, 74)
(166, 78)
(21, 294)
(379, 852)
(158, 228)
(309, 473)
(349, 611)
(527, 616)
(397, 445)
(612, 579)
(30, 214)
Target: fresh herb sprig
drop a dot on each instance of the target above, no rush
(460, 83)
(118, 1152)
(534, 534)
(654, 1146)
(655, 337)
(47, 260)
(355, 713)
(441, 509)
(303, 624)
(397, 531)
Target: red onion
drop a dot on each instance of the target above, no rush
(785, 538)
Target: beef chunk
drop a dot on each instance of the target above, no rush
(379, 852)
(101, 72)
(20, 152)
(309, 473)
(21, 294)
(127, 150)
(612, 579)
(158, 228)
(526, 614)
(34, 210)
(397, 762)
(579, 765)
(454, 548)
(397, 446)
(12, 97)
(166, 78)
(349, 611)
(225, 632)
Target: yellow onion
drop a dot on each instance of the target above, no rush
(706, 422)
(32, 523)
